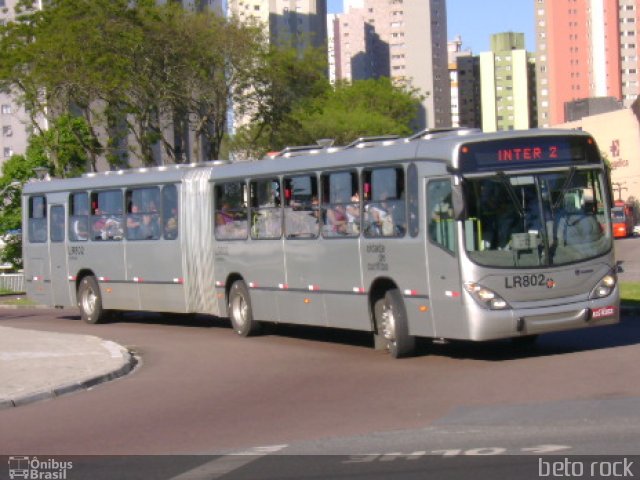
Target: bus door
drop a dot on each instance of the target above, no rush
(153, 259)
(37, 266)
(443, 271)
(339, 274)
(58, 256)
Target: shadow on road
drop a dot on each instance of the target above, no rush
(627, 332)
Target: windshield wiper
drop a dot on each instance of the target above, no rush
(565, 187)
(512, 194)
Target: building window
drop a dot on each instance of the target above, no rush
(7, 131)
(6, 109)
(8, 151)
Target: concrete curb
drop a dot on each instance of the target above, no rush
(131, 362)
(26, 307)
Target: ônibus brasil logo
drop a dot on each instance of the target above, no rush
(32, 468)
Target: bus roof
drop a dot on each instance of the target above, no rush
(439, 145)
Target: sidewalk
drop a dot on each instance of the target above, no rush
(36, 365)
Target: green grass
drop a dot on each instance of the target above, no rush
(630, 294)
(13, 298)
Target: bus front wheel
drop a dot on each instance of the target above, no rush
(90, 301)
(240, 312)
(392, 325)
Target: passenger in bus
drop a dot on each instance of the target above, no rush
(99, 225)
(337, 220)
(499, 217)
(134, 222)
(149, 227)
(380, 217)
(353, 214)
(224, 216)
(229, 223)
(106, 227)
(171, 225)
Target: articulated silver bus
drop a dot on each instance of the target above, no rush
(447, 235)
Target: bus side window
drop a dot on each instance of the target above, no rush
(440, 214)
(301, 206)
(38, 219)
(106, 211)
(231, 211)
(340, 204)
(384, 206)
(170, 212)
(143, 219)
(266, 214)
(79, 217)
(56, 224)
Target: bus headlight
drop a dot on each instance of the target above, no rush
(486, 297)
(604, 287)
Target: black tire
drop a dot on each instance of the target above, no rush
(90, 301)
(391, 325)
(240, 312)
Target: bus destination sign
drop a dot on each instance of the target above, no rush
(526, 153)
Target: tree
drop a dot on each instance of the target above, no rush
(363, 108)
(344, 113)
(15, 172)
(285, 82)
(62, 145)
(64, 141)
(131, 65)
(72, 55)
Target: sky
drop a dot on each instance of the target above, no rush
(476, 20)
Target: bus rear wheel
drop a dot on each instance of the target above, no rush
(240, 312)
(392, 325)
(90, 301)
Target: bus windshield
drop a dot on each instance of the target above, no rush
(536, 220)
(617, 214)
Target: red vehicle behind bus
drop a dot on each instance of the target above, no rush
(622, 219)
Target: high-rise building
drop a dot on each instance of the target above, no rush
(403, 40)
(455, 54)
(507, 79)
(585, 48)
(298, 23)
(469, 95)
(14, 120)
(197, 5)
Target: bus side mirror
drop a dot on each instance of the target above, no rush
(459, 206)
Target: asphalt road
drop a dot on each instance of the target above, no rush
(201, 389)
(628, 251)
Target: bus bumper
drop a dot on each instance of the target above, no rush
(491, 325)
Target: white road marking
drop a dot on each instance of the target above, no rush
(546, 448)
(228, 463)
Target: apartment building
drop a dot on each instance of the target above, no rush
(405, 40)
(585, 48)
(507, 82)
(14, 121)
(299, 23)
(456, 54)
